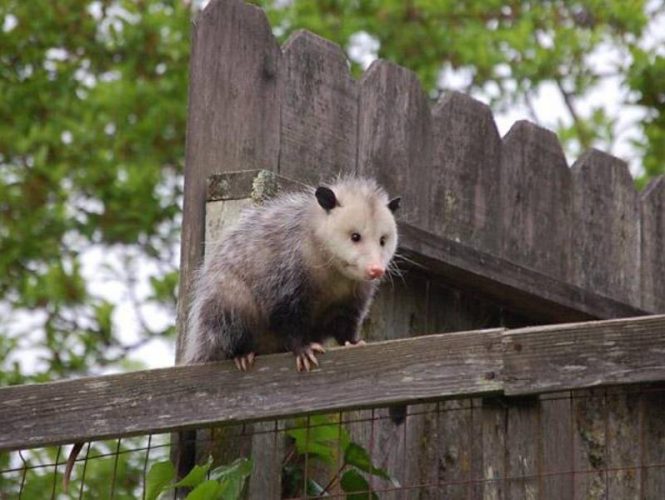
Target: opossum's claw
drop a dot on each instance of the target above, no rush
(315, 346)
(244, 363)
(348, 343)
(307, 358)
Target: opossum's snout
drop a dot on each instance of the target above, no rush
(374, 272)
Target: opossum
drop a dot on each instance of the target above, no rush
(294, 272)
(298, 270)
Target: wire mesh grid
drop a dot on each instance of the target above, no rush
(600, 443)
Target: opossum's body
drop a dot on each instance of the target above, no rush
(293, 272)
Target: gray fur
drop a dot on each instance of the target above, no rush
(273, 285)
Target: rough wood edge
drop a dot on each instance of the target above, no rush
(188, 397)
(454, 365)
(584, 355)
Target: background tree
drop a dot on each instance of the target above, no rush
(92, 121)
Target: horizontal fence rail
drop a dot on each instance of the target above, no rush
(466, 364)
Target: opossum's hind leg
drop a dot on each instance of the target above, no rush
(226, 328)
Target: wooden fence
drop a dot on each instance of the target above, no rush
(296, 111)
(501, 238)
(504, 232)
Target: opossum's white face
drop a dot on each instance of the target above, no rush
(357, 231)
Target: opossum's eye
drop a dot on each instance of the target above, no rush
(382, 241)
(355, 237)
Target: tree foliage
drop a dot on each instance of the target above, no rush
(92, 124)
(92, 133)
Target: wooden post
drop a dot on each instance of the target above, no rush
(653, 245)
(605, 243)
(535, 200)
(464, 202)
(319, 111)
(233, 124)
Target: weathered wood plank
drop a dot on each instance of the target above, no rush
(257, 185)
(589, 463)
(494, 425)
(556, 431)
(559, 357)
(394, 136)
(605, 243)
(464, 194)
(234, 114)
(534, 294)
(457, 450)
(536, 200)
(523, 453)
(186, 397)
(624, 443)
(653, 245)
(319, 110)
(653, 453)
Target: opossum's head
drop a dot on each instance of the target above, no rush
(356, 227)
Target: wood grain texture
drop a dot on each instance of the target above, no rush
(464, 202)
(653, 432)
(590, 445)
(653, 245)
(455, 437)
(534, 294)
(623, 443)
(536, 200)
(187, 397)
(494, 425)
(605, 244)
(234, 114)
(556, 431)
(394, 136)
(319, 110)
(559, 357)
(523, 453)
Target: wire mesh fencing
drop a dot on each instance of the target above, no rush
(599, 443)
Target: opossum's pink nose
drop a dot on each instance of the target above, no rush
(375, 272)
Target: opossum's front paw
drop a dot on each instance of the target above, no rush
(305, 357)
(245, 362)
(358, 343)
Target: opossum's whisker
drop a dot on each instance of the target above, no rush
(410, 261)
(395, 271)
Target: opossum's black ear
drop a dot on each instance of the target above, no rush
(326, 198)
(394, 204)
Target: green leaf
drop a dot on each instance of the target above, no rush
(320, 435)
(357, 456)
(209, 490)
(196, 476)
(356, 486)
(239, 468)
(232, 477)
(159, 477)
